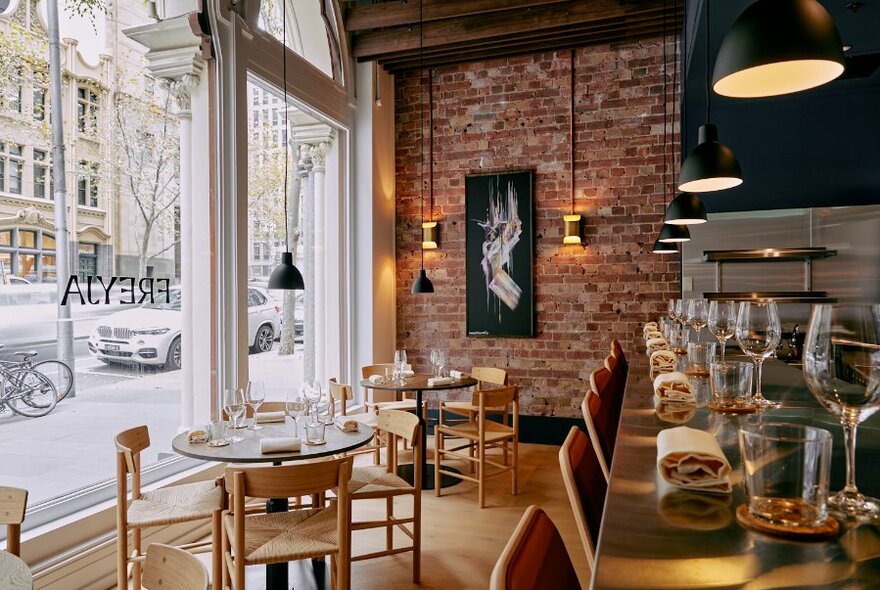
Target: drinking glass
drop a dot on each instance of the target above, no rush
(441, 362)
(294, 406)
(785, 472)
(697, 315)
(722, 322)
(400, 365)
(842, 371)
(435, 364)
(758, 331)
(234, 406)
(255, 395)
(731, 383)
(700, 355)
(313, 394)
(324, 413)
(679, 336)
(315, 432)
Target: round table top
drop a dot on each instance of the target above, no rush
(248, 450)
(419, 382)
(14, 573)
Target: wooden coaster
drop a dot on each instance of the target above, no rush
(739, 409)
(826, 530)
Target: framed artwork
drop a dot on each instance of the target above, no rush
(499, 255)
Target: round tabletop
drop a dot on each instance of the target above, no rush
(14, 573)
(419, 382)
(248, 450)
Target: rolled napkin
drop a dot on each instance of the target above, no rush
(459, 375)
(409, 373)
(345, 424)
(674, 387)
(692, 460)
(653, 334)
(198, 434)
(434, 381)
(650, 326)
(675, 412)
(377, 379)
(281, 444)
(269, 417)
(653, 344)
(663, 361)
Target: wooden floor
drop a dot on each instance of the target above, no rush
(460, 542)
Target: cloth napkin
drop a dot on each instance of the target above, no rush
(268, 417)
(281, 444)
(433, 381)
(653, 334)
(345, 424)
(674, 387)
(377, 379)
(692, 460)
(663, 360)
(650, 326)
(457, 375)
(198, 434)
(656, 344)
(409, 373)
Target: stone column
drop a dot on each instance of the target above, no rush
(318, 153)
(304, 169)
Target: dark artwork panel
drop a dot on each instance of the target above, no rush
(499, 255)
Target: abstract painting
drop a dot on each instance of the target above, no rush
(499, 257)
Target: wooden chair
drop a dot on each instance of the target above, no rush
(203, 500)
(535, 557)
(484, 435)
(598, 415)
(585, 486)
(406, 403)
(13, 502)
(343, 393)
(487, 378)
(279, 537)
(170, 568)
(382, 482)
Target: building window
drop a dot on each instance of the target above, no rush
(29, 254)
(11, 97)
(87, 105)
(88, 260)
(11, 166)
(41, 173)
(87, 184)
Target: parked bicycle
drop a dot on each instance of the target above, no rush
(26, 391)
(57, 372)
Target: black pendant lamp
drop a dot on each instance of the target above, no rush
(711, 166)
(286, 276)
(686, 209)
(664, 248)
(422, 284)
(778, 47)
(673, 234)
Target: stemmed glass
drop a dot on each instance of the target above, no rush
(234, 406)
(255, 395)
(400, 365)
(722, 322)
(670, 308)
(697, 315)
(842, 371)
(441, 362)
(294, 406)
(313, 395)
(435, 362)
(758, 331)
(681, 311)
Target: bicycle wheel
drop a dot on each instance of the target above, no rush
(29, 393)
(59, 374)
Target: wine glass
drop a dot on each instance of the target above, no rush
(441, 362)
(435, 364)
(757, 332)
(255, 395)
(842, 371)
(722, 322)
(234, 406)
(680, 310)
(697, 315)
(313, 395)
(400, 364)
(294, 406)
(670, 308)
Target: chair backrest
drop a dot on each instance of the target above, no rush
(13, 502)
(129, 444)
(340, 392)
(617, 353)
(402, 424)
(535, 557)
(585, 486)
(489, 375)
(600, 382)
(396, 423)
(288, 480)
(170, 568)
(267, 406)
(595, 411)
(378, 369)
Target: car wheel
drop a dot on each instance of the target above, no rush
(172, 361)
(264, 340)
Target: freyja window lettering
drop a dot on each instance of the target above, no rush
(96, 291)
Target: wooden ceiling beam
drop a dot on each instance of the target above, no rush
(397, 13)
(504, 25)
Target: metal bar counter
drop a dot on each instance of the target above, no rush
(656, 536)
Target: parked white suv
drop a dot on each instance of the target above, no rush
(150, 334)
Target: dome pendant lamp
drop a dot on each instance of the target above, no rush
(711, 166)
(664, 248)
(286, 276)
(686, 209)
(422, 284)
(778, 47)
(673, 234)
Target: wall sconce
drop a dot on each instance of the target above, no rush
(572, 229)
(430, 235)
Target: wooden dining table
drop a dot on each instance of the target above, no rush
(248, 451)
(657, 536)
(14, 573)
(420, 383)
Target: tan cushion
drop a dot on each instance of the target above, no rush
(375, 480)
(494, 431)
(183, 503)
(287, 536)
(407, 404)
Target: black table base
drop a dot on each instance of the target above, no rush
(407, 472)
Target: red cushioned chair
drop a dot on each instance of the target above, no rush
(585, 486)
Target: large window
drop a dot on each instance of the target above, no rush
(87, 105)
(28, 254)
(11, 167)
(87, 183)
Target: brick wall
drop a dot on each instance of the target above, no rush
(513, 114)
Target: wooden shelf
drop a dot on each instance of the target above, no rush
(778, 296)
(766, 254)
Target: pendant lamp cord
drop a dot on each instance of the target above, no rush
(665, 111)
(675, 66)
(708, 89)
(286, 130)
(422, 122)
(571, 130)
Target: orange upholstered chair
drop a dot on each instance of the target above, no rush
(535, 557)
(585, 486)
